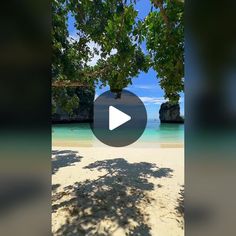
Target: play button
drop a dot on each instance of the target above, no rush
(117, 118)
(120, 121)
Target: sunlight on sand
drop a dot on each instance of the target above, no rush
(117, 191)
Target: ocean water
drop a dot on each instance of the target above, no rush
(154, 132)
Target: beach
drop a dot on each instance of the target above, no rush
(117, 80)
(133, 190)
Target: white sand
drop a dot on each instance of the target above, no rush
(137, 187)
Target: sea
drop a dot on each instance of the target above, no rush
(155, 132)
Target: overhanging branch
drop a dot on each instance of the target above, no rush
(68, 83)
(88, 74)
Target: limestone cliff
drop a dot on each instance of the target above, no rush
(170, 113)
(84, 113)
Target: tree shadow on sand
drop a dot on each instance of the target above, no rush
(180, 207)
(113, 202)
(64, 158)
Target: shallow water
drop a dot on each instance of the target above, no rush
(154, 132)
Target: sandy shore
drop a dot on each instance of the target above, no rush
(117, 191)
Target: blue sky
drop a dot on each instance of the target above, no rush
(146, 84)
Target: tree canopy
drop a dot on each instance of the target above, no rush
(117, 33)
(164, 33)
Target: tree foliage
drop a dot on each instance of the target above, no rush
(163, 29)
(110, 24)
(66, 57)
(113, 26)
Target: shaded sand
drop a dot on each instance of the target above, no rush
(117, 191)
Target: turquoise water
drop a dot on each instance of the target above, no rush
(154, 132)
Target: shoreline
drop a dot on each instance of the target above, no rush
(96, 143)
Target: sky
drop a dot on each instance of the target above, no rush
(145, 85)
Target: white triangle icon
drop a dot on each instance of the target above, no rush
(117, 118)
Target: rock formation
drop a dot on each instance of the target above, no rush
(170, 113)
(84, 113)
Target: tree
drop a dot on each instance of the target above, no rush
(114, 27)
(164, 33)
(110, 24)
(67, 58)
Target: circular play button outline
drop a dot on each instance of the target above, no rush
(120, 121)
(117, 118)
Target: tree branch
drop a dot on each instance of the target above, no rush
(69, 83)
(76, 83)
(159, 4)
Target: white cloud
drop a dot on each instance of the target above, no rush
(130, 100)
(152, 100)
(96, 57)
(91, 45)
(157, 100)
(144, 86)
